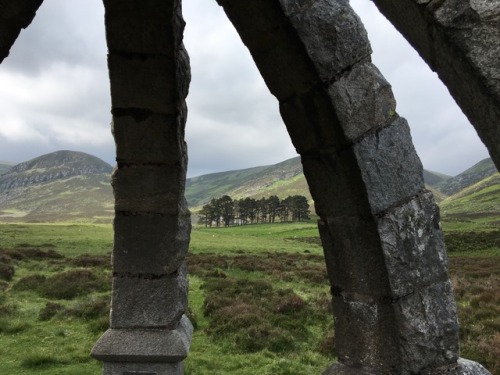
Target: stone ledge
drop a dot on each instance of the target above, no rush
(145, 345)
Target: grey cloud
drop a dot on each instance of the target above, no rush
(233, 121)
(61, 31)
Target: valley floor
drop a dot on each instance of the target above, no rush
(258, 298)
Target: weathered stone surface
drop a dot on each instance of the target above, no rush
(331, 176)
(331, 32)
(154, 139)
(355, 264)
(150, 244)
(142, 301)
(363, 101)
(117, 368)
(428, 328)
(462, 367)
(341, 369)
(14, 16)
(150, 188)
(153, 30)
(413, 245)
(312, 122)
(274, 45)
(143, 82)
(390, 167)
(365, 335)
(145, 345)
(460, 40)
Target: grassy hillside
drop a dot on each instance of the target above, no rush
(4, 167)
(470, 176)
(243, 183)
(60, 186)
(79, 198)
(478, 203)
(71, 186)
(282, 179)
(433, 178)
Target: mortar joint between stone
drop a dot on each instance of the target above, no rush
(335, 77)
(129, 163)
(142, 56)
(145, 276)
(402, 202)
(130, 213)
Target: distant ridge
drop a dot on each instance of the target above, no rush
(479, 171)
(250, 182)
(53, 166)
(282, 179)
(75, 186)
(63, 185)
(5, 166)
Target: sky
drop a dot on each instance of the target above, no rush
(54, 93)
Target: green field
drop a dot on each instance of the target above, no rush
(258, 299)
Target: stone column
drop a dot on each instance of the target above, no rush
(149, 74)
(392, 299)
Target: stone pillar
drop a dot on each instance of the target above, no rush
(392, 299)
(149, 74)
(460, 41)
(14, 16)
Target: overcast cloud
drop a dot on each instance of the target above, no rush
(54, 93)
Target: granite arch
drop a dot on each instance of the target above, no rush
(388, 284)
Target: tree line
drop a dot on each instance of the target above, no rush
(225, 211)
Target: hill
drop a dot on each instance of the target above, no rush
(75, 186)
(471, 176)
(479, 202)
(63, 185)
(54, 166)
(282, 179)
(4, 167)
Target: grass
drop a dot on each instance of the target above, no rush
(264, 282)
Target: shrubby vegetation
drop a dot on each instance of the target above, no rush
(255, 310)
(225, 211)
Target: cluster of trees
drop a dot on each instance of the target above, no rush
(225, 211)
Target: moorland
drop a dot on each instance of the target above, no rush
(258, 294)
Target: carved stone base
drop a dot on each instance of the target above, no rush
(146, 351)
(111, 368)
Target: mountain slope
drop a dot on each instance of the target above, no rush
(480, 201)
(75, 186)
(241, 183)
(53, 166)
(63, 185)
(4, 167)
(470, 176)
(434, 178)
(282, 179)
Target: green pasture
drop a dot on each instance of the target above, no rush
(263, 282)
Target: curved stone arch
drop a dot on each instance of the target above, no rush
(365, 177)
(389, 284)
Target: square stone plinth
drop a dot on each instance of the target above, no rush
(145, 345)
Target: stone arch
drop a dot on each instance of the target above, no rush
(379, 226)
